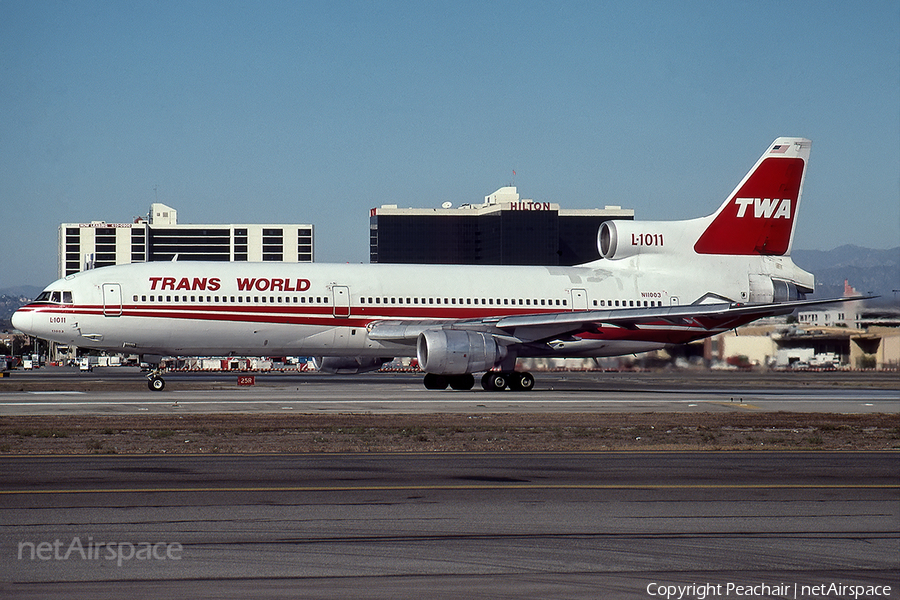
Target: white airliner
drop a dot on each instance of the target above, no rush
(657, 283)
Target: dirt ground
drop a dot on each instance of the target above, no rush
(447, 433)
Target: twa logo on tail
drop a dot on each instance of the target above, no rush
(764, 208)
(759, 215)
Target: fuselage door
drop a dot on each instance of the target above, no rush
(112, 300)
(341, 300)
(579, 299)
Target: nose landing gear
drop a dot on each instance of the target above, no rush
(155, 381)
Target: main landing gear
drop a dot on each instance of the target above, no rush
(517, 381)
(492, 381)
(457, 382)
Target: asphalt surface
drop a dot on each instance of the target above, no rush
(123, 391)
(408, 525)
(447, 525)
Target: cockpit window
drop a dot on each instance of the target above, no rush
(55, 297)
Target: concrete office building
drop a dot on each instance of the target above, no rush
(159, 237)
(503, 230)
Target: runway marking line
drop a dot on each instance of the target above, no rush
(515, 486)
(733, 404)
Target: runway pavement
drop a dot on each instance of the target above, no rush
(117, 391)
(617, 525)
(413, 525)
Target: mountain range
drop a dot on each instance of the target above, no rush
(870, 272)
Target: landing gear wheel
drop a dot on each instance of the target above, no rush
(462, 382)
(435, 382)
(156, 383)
(521, 382)
(494, 381)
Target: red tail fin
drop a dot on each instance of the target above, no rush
(759, 215)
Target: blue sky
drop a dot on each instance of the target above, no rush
(315, 112)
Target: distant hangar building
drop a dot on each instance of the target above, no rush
(85, 246)
(503, 230)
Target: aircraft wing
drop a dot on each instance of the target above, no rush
(537, 328)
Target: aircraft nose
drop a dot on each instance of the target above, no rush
(23, 320)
